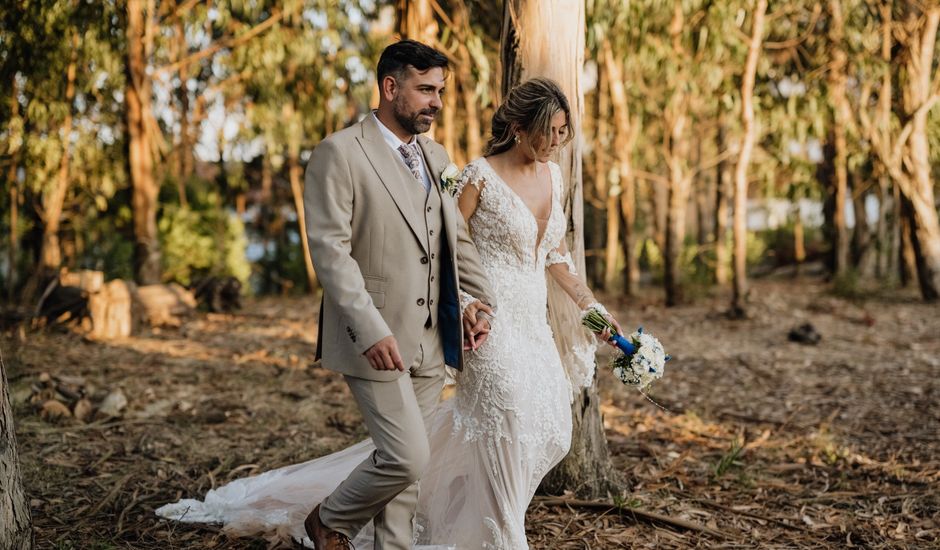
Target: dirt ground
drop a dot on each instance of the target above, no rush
(764, 443)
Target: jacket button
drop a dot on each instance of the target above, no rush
(432, 278)
(429, 209)
(424, 259)
(431, 232)
(432, 255)
(430, 302)
(420, 301)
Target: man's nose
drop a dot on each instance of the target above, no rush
(436, 101)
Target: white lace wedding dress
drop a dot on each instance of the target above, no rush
(507, 425)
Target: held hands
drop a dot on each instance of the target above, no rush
(384, 355)
(476, 324)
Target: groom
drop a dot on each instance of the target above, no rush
(391, 251)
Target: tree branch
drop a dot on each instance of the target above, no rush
(783, 45)
(230, 42)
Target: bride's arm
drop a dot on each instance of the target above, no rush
(561, 267)
(469, 198)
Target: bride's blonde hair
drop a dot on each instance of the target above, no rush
(529, 107)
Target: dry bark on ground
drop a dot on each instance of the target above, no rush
(768, 442)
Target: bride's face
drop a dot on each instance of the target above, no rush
(543, 148)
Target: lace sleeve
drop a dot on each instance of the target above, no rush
(556, 257)
(472, 175)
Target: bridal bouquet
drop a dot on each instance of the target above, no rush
(643, 360)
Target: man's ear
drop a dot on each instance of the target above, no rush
(388, 87)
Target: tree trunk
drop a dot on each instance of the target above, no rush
(841, 114)
(416, 21)
(799, 243)
(907, 262)
(526, 51)
(184, 153)
(744, 158)
(925, 223)
(597, 193)
(15, 525)
(472, 131)
(625, 192)
(882, 239)
(722, 192)
(14, 196)
(676, 145)
(862, 257)
(295, 175)
(137, 102)
(53, 202)
(449, 130)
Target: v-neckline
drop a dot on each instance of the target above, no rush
(539, 235)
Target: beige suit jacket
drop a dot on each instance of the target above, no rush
(365, 240)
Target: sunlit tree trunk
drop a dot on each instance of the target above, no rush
(15, 524)
(471, 107)
(917, 94)
(622, 198)
(295, 175)
(137, 103)
(416, 21)
(841, 115)
(53, 202)
(547, 39)
(799, 242)
(739, 295)
(447, 133)
(905, 153)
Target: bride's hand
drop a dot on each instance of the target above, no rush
(476, 324)
(606, 334)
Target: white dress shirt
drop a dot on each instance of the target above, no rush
(392, 140)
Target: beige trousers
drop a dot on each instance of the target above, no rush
(384, 487)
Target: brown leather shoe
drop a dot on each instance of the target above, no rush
(322, 536)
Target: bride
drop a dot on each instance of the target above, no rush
(509, 421)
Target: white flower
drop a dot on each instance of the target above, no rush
(449, 178)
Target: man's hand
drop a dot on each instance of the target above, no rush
(476, 324)
(384, 355)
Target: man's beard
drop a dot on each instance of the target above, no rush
(412, 122)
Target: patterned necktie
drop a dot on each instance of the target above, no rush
(409, 152)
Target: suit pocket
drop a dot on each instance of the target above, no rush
(375, 286)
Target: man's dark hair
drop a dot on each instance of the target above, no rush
(396, 58)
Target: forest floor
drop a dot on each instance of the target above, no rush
(765, 443)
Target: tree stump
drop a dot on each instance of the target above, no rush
(111, 310)
(164, 304)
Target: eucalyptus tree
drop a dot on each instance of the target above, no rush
(536, 42)
(744, 156)
(16, 531)
(148, 54)
(616, 66)
(300, 81)
(63, 73)
(901, 138)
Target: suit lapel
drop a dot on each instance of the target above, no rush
(392, 173)
(436, 164)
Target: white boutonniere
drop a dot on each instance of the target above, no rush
(449, 179)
